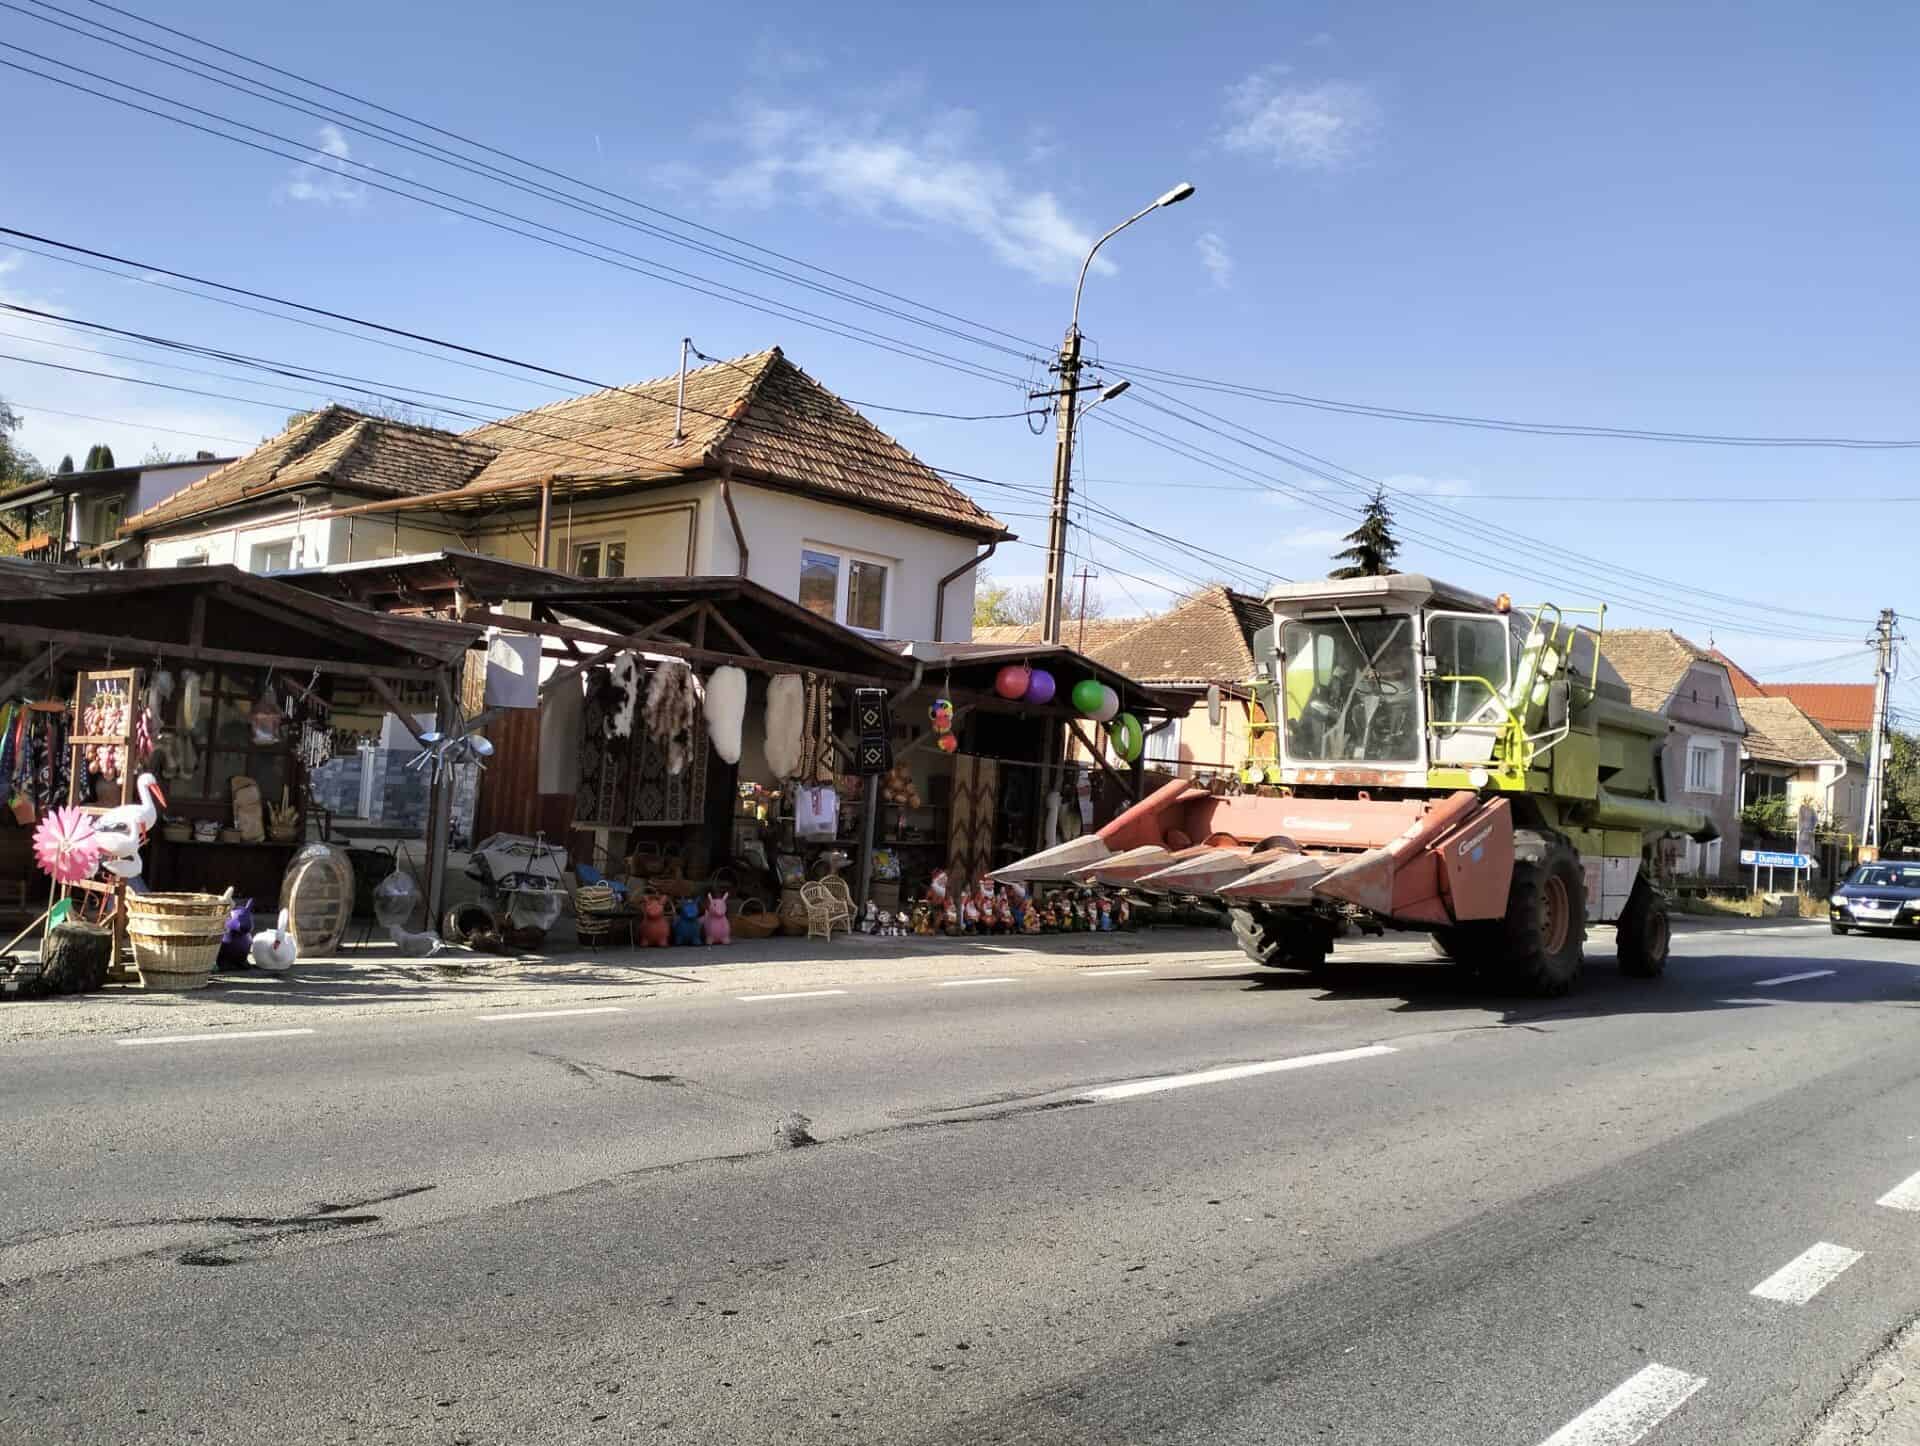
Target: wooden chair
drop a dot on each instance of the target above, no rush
(597, 913)
(825, 911)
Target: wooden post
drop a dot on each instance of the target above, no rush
(439, 819)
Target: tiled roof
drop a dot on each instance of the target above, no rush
(1778, 732)
(1745, 685)
(336, 446)
(1094, 633)
(1843, 707)
(760, 415)
(1652, 661)
(1206, 639)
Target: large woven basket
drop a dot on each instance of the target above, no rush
(755, 921)
(175, 938)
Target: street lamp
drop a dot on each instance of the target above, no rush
(1069, 369)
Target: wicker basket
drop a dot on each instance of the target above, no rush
(793, 912)
(175, 938)
(177, 831)
(755, 921)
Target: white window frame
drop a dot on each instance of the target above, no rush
(844, 558)
(191, 559)
(257, 556)
(1713, 755)
(580, 544)
(1163, 744)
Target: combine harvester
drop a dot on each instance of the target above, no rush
(1443, 763)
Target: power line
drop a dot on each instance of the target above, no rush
(31, 407)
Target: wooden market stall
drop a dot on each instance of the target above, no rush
(250, 666)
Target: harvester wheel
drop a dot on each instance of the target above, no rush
(1545, 927)
(1644, 932)
(1280, 943)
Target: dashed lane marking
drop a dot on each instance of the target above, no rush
(210, 1038)
(1630, 1410)
(1110, 973)
(548, 1013)
(1807, 1274)
(799, 994)
(1232, 1072)
(969, 983)
(1904, 1196)
(1792, 978)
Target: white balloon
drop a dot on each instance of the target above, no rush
(1109, 705)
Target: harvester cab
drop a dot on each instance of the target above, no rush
(1422, 758)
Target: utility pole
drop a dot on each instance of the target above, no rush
(1067, 405)
(1877, 745)
(1085, 575)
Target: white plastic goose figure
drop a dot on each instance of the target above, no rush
(274, 949)
(122, 830)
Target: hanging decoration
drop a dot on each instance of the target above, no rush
(726, 711)
(1125, 735)
(189, 698)
(1109, 708)
(623, 677)
(786, 724)
(941, 715)
(673, 708)
(266, 718)
(948, 743)
(817, 761)
(1040, 687)
(1086, 696)
(1012, 681)
(66, 846)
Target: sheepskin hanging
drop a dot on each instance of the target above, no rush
(786, 720)
(623, 676)
(673, 708)
(726, 711)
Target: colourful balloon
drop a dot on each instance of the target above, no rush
(949, 743)
(1109, 708)
(1124, 732)
(1013, 680)
(1086, 696)
(1040, 686)
(942, 715)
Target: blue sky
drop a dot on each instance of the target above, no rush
(1695, 218)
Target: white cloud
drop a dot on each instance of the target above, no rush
(1314, 538)
(1216, 258)
(326, 181)
(11, 262)
(925, 174)
(1429, 486)
(1323, 127)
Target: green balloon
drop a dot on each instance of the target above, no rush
(1126, 736)
(1086, 695)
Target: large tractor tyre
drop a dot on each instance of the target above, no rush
(1545, 926)
(1645, 933)
(1280, 944)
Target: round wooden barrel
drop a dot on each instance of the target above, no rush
(317, 894)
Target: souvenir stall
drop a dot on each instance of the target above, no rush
(162, 727)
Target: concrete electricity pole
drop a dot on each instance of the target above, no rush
(1067, 399)
(1877, 744)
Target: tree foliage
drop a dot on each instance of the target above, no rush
(1372, 545)
(998, 604)
(1900, 823)
(66, 465)
(1769, 817)
(99, 458)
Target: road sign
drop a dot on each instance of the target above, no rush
(1762, 859)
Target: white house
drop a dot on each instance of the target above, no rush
(746, 467)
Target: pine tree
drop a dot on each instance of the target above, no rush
(99, 457)
(66, 465)
(1373, 544)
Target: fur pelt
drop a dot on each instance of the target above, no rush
(673, 706)
(786, 722)
(726, 711)
(623, 676)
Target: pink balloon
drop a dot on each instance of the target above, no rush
(1040, 687)
(1012, 681)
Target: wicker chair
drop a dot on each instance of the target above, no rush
(826, 909)
(597, 913)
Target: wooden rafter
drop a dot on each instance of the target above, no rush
(103, 643)
(725, 626)
(26, 675)
(396, 707)
(1099, 756)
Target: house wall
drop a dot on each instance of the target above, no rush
(1839, 796)
(233, 536)
(156, 485)
(1703, 713)
(665, 531)
(778, 525)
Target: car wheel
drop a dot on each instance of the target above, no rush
(1838, 928)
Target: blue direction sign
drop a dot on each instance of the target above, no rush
(1760, 858)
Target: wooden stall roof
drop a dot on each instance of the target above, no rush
(218, 614)
(973, 666)
(749, 621)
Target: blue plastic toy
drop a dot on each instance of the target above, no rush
(686, 923)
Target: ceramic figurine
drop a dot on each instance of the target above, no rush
(969, 915)
(870, 918)
(1003, 916)
(654, 929)
(922, 919)
(1029, 917)
(686, 923)
(1123, 912)
(1105, 906)
(716, 926)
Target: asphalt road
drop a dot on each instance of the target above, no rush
(1386, 1208)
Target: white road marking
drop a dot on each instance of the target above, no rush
(1236, 964)
(1792, 978)
(967, 983)
(1807, 1274)
(1235, 1071)
(1109, 973)
(549, 1013)
(1904, 1196)
(1630, 1410)
(1774, 1000)
(801, 994)
(208, 1038)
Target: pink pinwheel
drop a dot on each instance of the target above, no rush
(66, 845)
